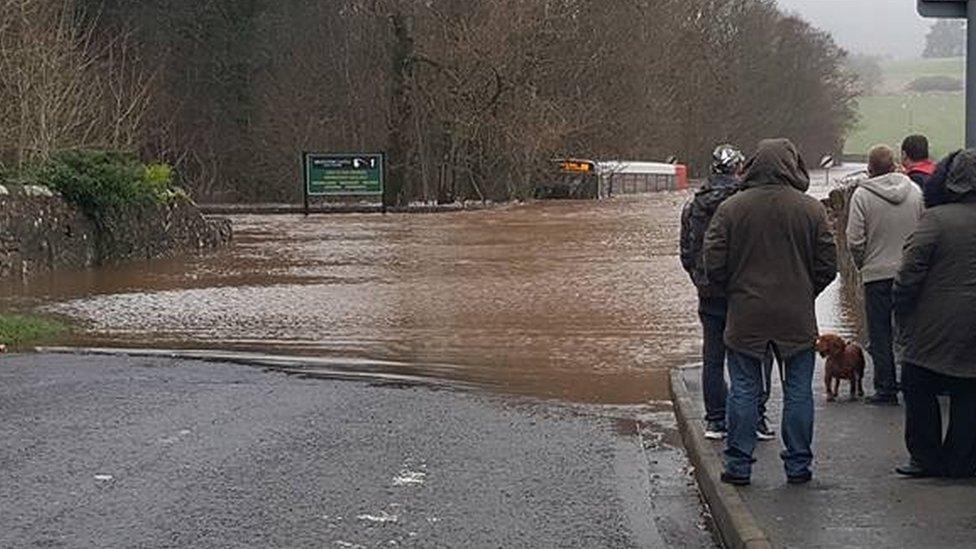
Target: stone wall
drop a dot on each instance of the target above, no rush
(159, 230)
(39, 232)
(852, 289)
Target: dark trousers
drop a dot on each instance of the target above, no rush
(712, 312)
(877, 303)
(954, 456)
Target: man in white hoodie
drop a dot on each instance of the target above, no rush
(884, 212)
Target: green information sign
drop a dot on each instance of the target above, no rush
(343, 174)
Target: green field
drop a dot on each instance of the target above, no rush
(888, 118)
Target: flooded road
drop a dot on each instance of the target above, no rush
(580, 301)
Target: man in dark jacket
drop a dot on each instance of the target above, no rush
(770, 247)
(915, 159)
(727, 162)
(935, 302)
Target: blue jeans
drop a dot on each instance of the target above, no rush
(743, 409)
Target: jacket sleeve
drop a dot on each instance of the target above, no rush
(857, 240)
(825, 254)
(689, 248)
(915, 264)
(716, 249)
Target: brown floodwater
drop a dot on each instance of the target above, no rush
(582, 301)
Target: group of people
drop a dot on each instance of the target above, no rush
(760, 251)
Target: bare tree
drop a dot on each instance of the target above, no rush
(472, 98)
(64, 86)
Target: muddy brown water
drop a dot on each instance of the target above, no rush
(582, 301)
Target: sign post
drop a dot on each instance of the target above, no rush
(826, 163)
(342, 175)
(960, 9)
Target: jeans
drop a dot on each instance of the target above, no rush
(746, 374)
(712, 311)
(956, 455)
(877, 304)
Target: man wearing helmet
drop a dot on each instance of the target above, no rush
(727, 162)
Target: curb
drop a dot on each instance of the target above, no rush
(736, 525)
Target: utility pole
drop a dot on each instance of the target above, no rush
(971, 75)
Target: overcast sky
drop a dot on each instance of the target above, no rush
(877, 27)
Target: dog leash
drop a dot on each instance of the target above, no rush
(772, 352)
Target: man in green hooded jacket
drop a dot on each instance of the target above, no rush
(770, 246)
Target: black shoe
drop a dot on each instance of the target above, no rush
(914, 471)
(800, 479)
(882, 400)
(734, 480)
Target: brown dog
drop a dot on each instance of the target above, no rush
(844, 361)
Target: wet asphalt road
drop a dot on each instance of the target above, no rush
(151, 452)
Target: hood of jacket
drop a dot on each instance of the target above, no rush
(934, 189)
(893, 187)
(961, 178)
(777, 162)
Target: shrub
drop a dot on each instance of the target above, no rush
(98, 181)
(935, 84)
(158, 180)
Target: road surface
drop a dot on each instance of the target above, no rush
(149, 452)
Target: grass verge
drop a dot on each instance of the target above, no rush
(17, 331)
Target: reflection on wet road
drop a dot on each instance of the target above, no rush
(578, 301)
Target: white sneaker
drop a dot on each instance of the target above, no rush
(714, 430)
(763, 432)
